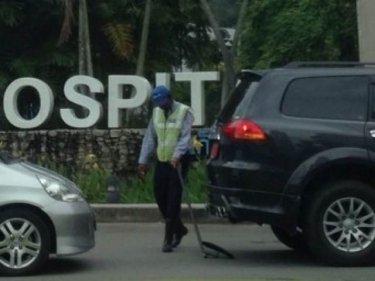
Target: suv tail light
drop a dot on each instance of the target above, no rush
(243, 129)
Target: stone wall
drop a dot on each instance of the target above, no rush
(115, 150)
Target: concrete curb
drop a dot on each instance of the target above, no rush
(148, 213)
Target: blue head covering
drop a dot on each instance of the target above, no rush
(160, 95)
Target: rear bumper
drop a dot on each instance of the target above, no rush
(243, 205)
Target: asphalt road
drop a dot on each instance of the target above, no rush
(131, 251)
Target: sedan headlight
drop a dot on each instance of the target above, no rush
(59, 191)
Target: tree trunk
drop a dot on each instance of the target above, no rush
(81, 42)
(89, 66)
(84, 48)
(66, 28)
(237, 32)
(227, 55)
(141, 58)
(144, 39)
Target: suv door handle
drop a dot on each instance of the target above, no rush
(372, 133)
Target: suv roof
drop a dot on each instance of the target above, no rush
(316, 68)
(333, 64)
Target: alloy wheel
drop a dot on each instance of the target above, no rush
(20, 243)
(349, 224)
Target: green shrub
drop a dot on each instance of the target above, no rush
(196, 184)
(91, 179)
(140, 190)
(137, 190)
(92, 183)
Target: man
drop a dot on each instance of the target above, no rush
(169, 133)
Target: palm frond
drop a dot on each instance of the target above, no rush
(120, 36)
(58, 58)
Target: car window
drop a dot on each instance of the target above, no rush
(343, 98)
(239, 100)
(243, 106)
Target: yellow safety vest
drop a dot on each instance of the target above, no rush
(168, 130)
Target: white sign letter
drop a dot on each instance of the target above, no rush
(11, 97)
(95, 109)
(197, 91)
(116, 100)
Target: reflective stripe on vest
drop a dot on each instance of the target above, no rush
(168, 130)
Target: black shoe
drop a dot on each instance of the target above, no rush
(168, 236)
(178, 236)
(167, 247)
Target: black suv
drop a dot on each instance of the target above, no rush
(294, 147)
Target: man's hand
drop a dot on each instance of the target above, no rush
(142, 169)
(175, 162)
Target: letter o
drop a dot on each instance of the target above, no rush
(10, 103)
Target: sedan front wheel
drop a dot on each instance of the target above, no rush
(24, 242)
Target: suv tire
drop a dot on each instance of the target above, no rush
(295, 241)
(340, 223)
(24, 235)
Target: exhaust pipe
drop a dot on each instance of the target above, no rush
(228, 210)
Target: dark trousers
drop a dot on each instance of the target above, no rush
(168, 190)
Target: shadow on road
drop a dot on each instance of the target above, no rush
(274, 258)
(56, 266)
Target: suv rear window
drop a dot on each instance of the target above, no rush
(240, 99)
(343, 98)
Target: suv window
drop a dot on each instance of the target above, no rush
(342, 98)
(239, 100)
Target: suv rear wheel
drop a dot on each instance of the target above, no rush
(340, 223)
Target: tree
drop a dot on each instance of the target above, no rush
(84, 45)
(278, 32)
(144, 39)
(142, 56)
(30, 30)
(227, 54)
(85, 66)
(43, 38)
(239, 27)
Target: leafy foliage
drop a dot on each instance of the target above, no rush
(30, 30)
(196, 188)
(120, 36)
(92, 181)
(10, 12)
(278, 32)
(275, 32)
(137, 190)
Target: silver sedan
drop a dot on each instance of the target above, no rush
(41, 213)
